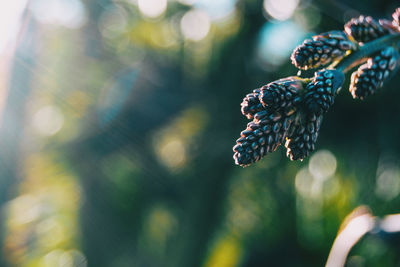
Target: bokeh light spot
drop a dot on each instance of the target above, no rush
(388, 184)
(152, 8)
(226, 253)
(173, 153)
(195, 25)
(52, 258)
(391, 223)
(303, 182)
(48, 120)
(322, 164)
(280, 9)
(277, 40)
(58, 257)
(161, 223)
(66, 260)
(24, 209)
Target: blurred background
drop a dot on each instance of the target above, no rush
(118, 119)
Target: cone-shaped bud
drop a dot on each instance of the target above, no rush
(263, 135)
(365, 29)
(303, 136)
(282, 94)
(322, 50)
(321, 91)
(370, 76)
(251, 104)
(389, 25)
(396, 18)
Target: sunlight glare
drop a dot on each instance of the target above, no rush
(10, 13)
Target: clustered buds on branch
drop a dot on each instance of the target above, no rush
(365, 29)
(321, 91)
(371, 75)
(322, 50)
(290, 111)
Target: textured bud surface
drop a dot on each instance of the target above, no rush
(281, 94)
(301, 142)
(251, 104)
(370, 76)
(365, 29)
(263, 135)
(322, 50)
(321, 92)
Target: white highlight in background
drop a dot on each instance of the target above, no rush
(280, 9)
(48, 120)
(152, 8)
(195, 25)
(391, 223)
(322, 164)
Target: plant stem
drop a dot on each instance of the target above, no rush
(365, 51)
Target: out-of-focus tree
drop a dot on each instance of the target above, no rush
(127, 121)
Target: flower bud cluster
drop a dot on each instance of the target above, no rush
(290, 111)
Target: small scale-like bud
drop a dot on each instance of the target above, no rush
(322, 50)
(321, 91)
(281, 94)
(365, 29)
(396, 18)
(263, 135)
(370, 76)
(251, 104)
(301, 142)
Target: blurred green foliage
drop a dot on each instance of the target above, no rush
(123, 152)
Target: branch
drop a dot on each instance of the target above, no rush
(366, 51)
